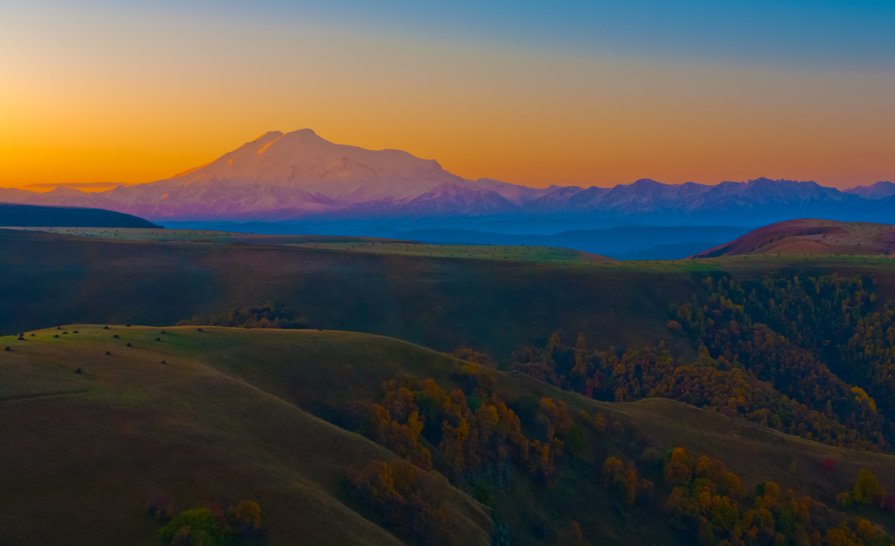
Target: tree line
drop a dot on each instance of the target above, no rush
(810, 356)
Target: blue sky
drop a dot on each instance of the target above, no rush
(819, 32)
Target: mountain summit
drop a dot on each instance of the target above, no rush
(305, 161)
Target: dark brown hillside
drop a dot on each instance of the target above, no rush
(812, 237)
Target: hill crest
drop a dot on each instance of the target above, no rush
(809, 236)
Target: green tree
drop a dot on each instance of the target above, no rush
(867, 489)
(196, 526)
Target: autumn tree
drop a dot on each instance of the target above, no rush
(469, 354)
(867, 490)
(678, 468)
(247, 515)
(622, 479)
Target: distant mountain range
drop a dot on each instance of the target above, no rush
(880, 190)
(299, 176)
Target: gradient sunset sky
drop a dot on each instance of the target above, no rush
(592, 92)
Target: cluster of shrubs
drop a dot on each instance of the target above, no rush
(709, 506)
(404, 497)
(867, 491)
(622, 478)
(262, 316)
(209, 525)
(467, 434)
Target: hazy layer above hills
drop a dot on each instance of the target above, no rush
(621, 242)
(299, 175)
(812, 237)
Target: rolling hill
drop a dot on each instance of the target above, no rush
(798, 237)
(493, 298)
(95, 448)
(99, 421)
(209, 415)
(33, 215)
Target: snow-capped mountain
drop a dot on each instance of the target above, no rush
(286, 175)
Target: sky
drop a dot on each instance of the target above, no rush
(532, 92)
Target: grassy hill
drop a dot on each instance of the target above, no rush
(265, 414)
(493, 303)
(818, 237)
(93, 449)
(495, 299)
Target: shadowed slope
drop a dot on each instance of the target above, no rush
(94, 448)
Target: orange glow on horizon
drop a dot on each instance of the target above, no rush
(114, 104)
(598, 161)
